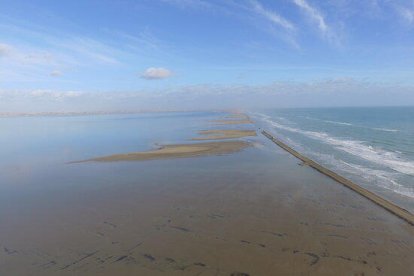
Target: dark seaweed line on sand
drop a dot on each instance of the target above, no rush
(387, 205)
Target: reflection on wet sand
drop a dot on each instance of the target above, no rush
(254, 212)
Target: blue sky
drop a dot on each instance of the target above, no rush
(83, 55)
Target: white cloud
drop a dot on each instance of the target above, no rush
(154, 73)
(5, 49)
(56, 73)
(271, 15)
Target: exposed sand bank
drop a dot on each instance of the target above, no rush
(217, 134)
(237, 115)
(233, 122)
(176, 151)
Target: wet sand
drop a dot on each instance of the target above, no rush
(175, 151)
(218, 134)
(254, 212)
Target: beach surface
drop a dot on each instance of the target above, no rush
(253, 211)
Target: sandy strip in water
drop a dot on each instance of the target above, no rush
(217, 134)
(238, 116)
(176, 151)
(233, 122)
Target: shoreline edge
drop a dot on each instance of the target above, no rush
(387, 205)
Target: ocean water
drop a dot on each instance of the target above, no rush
(372, 146)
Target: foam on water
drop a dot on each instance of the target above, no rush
(349, 124)
(338, 123)
(379, 156)
(372, 146)
(385, 129)
(384, 179)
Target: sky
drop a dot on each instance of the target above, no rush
(105, 55)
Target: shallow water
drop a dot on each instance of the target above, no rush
(35, 148)
(252, 212)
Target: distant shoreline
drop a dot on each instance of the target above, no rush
(91, 113)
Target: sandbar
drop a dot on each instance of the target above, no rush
(238, 116)
(217, 134)
(233, 122)
(176, 151)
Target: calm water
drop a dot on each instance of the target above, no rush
(373, 146)
(35, 150)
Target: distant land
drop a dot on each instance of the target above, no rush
(86, 113)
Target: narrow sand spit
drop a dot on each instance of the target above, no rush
(238, 116)
(217, 134)
(176, 151)
(233, 122)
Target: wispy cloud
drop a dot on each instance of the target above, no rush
(313, 14)
(189, 3)
(25, 63)
(144, 39)
(46, 94)
(268, 20)
(31, 56)
(407, 13)
(252, 10)
(272, 16)
(89, 48)
(35, 54)
(54, 95)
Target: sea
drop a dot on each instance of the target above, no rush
(372, 146)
